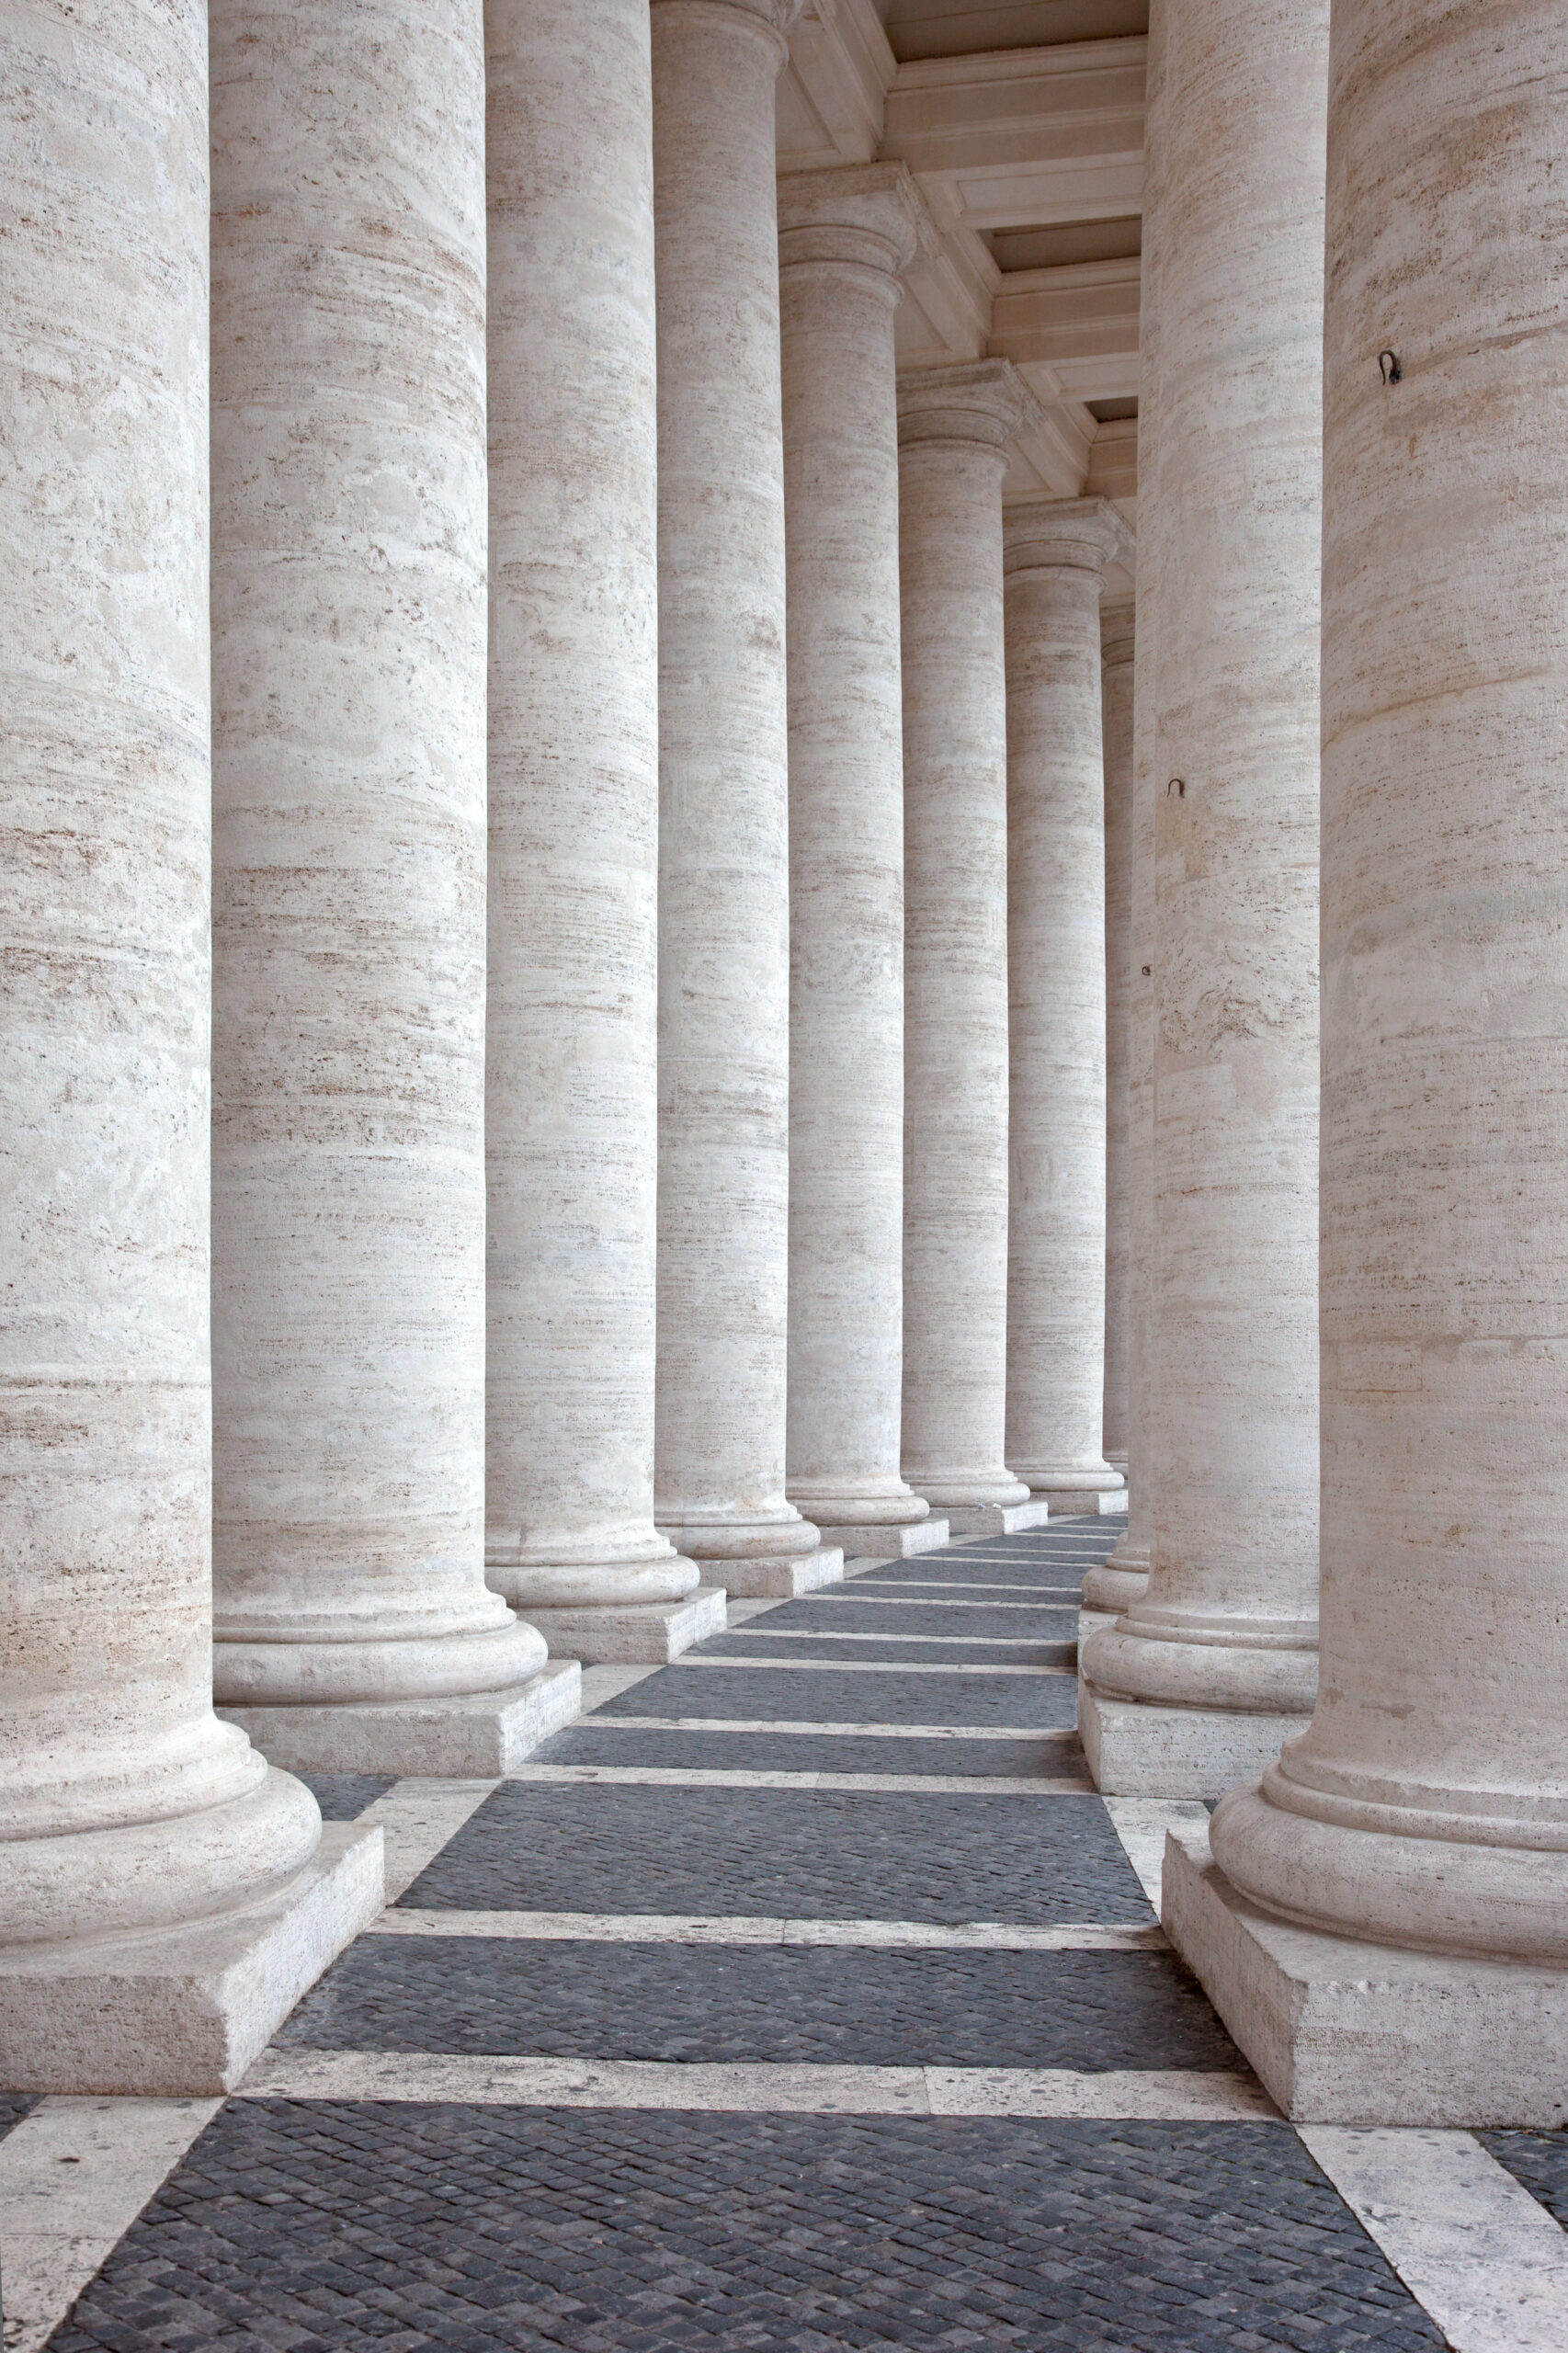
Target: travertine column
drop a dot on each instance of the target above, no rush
(844, 238)
(723, 848)
(1428, 1805)
(1124, 1578)
(349, 668)
(572, 1036)
(1187, 1693)
(1055, 553)
(954, 426)
(1117, 640)
(125, 1805)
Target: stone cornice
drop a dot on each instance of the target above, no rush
(983, 401)
(1077, 534)
(867, 214)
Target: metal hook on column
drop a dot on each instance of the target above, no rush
(1389, 367)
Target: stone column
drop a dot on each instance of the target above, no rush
(1195, 1687)
(1117, 640)
(1055, 553)
(724, 846)
(844, 238)
(1427, 1807)
(1124, 1578)
(571, 1127)
(164, 1895)
(354, 1626)
(954, 427)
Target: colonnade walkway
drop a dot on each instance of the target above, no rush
(802, 1996)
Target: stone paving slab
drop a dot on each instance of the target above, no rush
(1028, 1703)
(857, 2008)
(747, 1752)
(324, 2227)
(811, 1853)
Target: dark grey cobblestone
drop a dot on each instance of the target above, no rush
(1021, 1702)
(798, 1642)
(903, 1618)
(342, 1797)
(1066, 1577)
(1538, 2160)
(14, 2106)
(334, 2228)
(809, 1854)
(1050, 1756)
(495, 1997)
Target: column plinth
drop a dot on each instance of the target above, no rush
(845, 237)
(348, 660)
(954, 427)
(1427, 1808)
(1227, 1626)
(140, 1839)
(723, 841)
(571, 1032)
(1055, 553)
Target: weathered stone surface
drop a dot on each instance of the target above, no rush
(954, 427)
(723, 753)
(125, 1805)
(1117, 650)
(1426, 1805)
(572, 1030)
(1228, 1622)
(1054, 555)
(844, 238)
(348, 586)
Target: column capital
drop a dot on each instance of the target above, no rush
(983, 401)
(872, 215)
(771, 17)
(1118, 630)
(1073, 534)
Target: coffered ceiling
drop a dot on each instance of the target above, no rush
(1022, 122)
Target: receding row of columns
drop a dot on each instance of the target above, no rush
(624, 701)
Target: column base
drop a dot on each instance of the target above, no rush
(180, 2013)
(782, 1577)
(994, 1519)
(634, 1633)
(1135, 1751)
(464, 1736)
(867, 1539)
(1350, 2033)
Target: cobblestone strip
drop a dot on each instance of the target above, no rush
(752, 2088)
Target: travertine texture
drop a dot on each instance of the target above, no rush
(1117, 643)
(572, 1030)
(1125, 1576)
(723, 756)
(1229, 1618)
(1055, 551)
(954, 426)
(1428, 1805)
(844, 238)
(124, 1803)
(349, 688)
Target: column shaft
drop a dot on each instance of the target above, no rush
(1186, 1694)
(349, 860)
(1055, 555)
(125, 1805)
(844, 238)
(954, 424)
(724, 850)
(1116, 641)
(571, 1132)
(1428, 1804)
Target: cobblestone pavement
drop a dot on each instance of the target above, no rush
(330, 2224)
